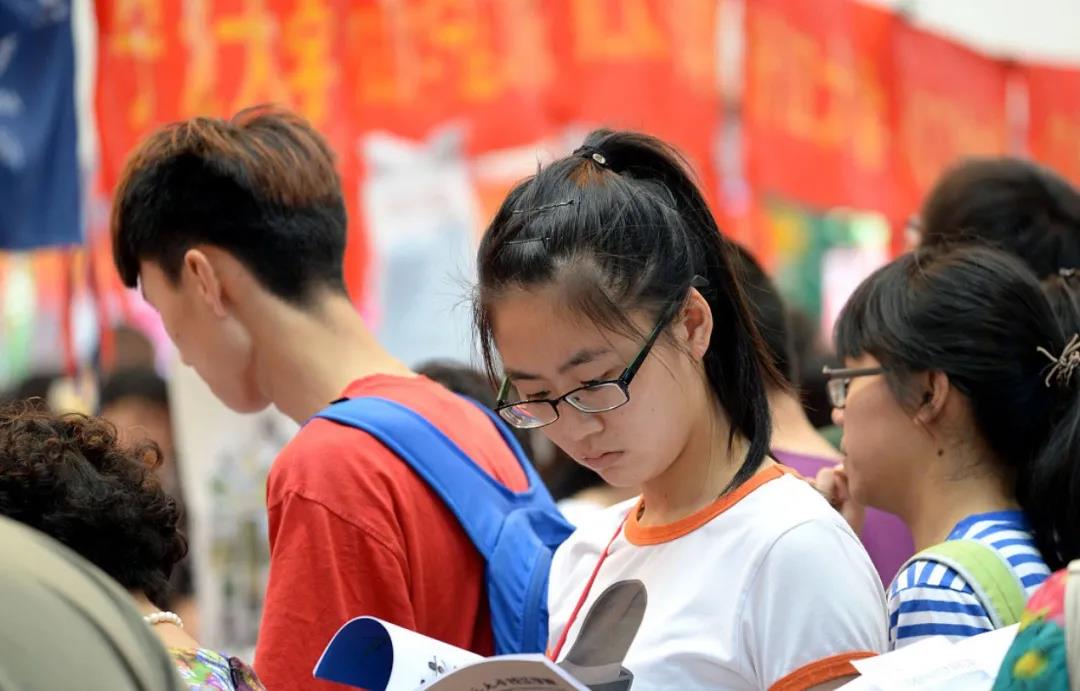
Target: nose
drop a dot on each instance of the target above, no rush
(577, 425)
(838, 417)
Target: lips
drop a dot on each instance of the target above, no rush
(601, 461)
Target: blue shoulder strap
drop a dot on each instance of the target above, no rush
(480, 502)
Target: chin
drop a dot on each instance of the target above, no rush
(242, 402)
(859, 492)
(250, 406)
(619, 478)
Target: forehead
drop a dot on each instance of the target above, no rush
(537, 332)
(535, 329)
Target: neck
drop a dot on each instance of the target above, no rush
(792, 430)
(965, 485)
(697, 477)
(606, 495)
(143, 604)
(306, 358)
(170, 635)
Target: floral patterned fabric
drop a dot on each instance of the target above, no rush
(205, 669)
(1036, 661)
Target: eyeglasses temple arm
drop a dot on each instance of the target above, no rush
(500, 400)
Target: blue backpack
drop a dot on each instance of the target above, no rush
(516, 532)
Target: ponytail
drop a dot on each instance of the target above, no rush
(1051, 498)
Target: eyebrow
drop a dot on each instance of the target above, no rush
(579, 358)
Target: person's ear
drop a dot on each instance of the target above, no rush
(935, 394)
(695, 325)
(198, 268)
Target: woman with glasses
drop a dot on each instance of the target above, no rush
(959, 409)
(608, 303)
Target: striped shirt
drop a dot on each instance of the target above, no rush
(931, 599)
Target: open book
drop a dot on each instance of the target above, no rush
(373, 654)
(937, 664)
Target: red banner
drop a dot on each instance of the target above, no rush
(1054, 116)
(847, 105)
(412, 66)
(950, 104)
(817, 105)
(511, 73)
(647, 65)
(164, 60)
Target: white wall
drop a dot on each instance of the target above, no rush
(1041, 30)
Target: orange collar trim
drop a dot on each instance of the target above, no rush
(641, 536)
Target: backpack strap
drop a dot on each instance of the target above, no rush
(987, 572)
(479, 502)
(1072, 624)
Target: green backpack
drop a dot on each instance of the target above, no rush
(996, 585)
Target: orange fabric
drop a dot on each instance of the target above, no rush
(354, 531)
(821, 671)
(640, 535)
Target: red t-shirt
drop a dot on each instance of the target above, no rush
(354, 531)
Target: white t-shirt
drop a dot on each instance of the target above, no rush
(767, 584)
(581, 512)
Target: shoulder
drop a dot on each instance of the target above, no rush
(202, 667)
(205, 668)
(788, 502)
(927, 573)
(325, 454)
(824, 552)
(933, 601)
(461, 421)
(1008, 534)
(803, 535)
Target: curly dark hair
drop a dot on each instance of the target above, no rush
(68, 476)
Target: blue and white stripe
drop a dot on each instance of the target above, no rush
(930, 599)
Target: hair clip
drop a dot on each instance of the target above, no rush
(544, 239)
(1065, 364)
(591, 152)
(545, 207)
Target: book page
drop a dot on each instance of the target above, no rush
(373, 654)
(937, 664)
(516, 673)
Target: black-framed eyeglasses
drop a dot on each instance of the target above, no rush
(839, 380)
(594, 397)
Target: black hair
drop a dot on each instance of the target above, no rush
(68, 476)
(1061, 290)
(620, 226)
(137, 382)
(1008, 203)
(770, 312)
(977, 315)
(261, 185)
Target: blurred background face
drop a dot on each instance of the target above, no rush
(138, 420)
(218, 347)
(541, 344)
